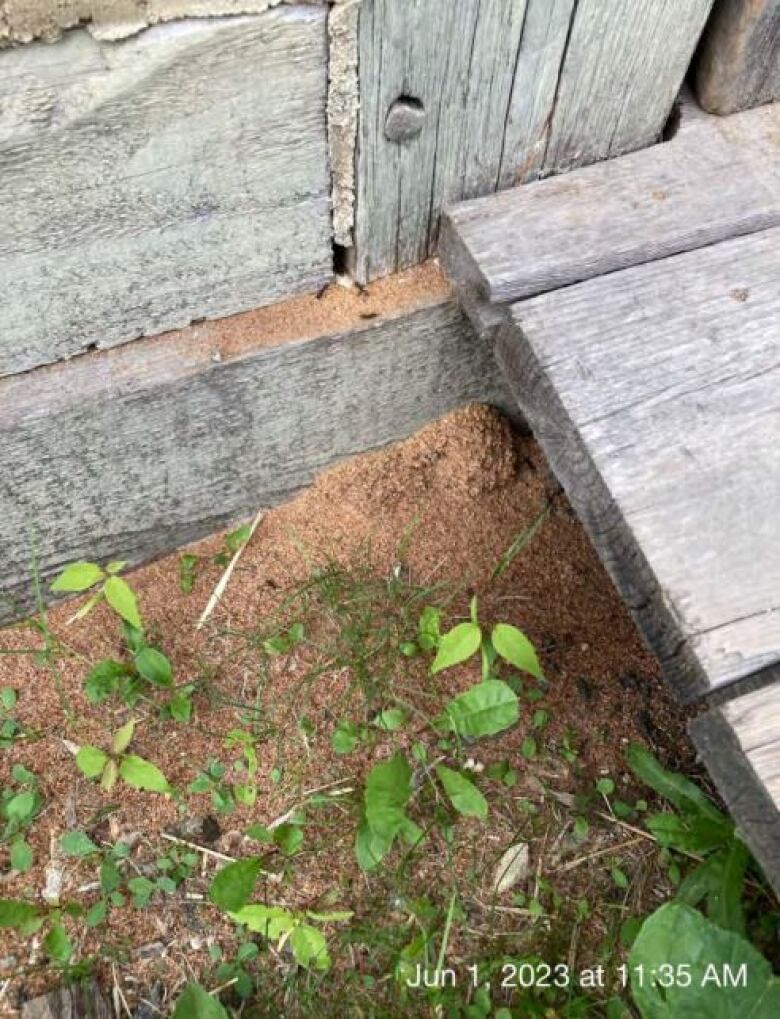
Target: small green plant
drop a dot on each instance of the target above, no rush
(111, 588)
(491, 705)
(188, 571)
(28, 919)
(698, 831)
(111, 862)
(230, 787)
(10, 729)
(110, 765)
(20, 804)
(231, 890)
(195, 1002)
(146, 669)
(232, 543)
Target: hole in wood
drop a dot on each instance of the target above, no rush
(405, 119)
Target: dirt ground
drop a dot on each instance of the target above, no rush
(438, 509)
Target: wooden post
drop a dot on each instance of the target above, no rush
(739, 61)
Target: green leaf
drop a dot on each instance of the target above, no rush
(122, 737)
(8, 698)
(180, 706)
(289, 838)
(309, 947)
(17, 914)
(675, 788)
(103, 680)
(459, 644)
(77, 843)
(463, 794)
(196, 1003)
(20, 807)
(391, 719)
(235, 539)
(485, 709)
(142, 774)
(96, 914)
(57, 944)
(78, 577)
(122, 600)
(270, 921)
(724, 896)
(515, 648)
(676, 935)
(689, 833)
(233, 885)
(142, 890)
(21, 855)
(91, 761)
(260, 833)
(370, 847)
(388, 788)
(116, 566)
(345, 737)
(154, 666)
(428, 627)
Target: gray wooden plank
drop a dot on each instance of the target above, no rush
(24, 20)
(83, 1000)
(654, 392)
(134, 451)
(523, 88)
(177, 175)
(740, 744)
(739, 61)
(713, 180)
(621, 72)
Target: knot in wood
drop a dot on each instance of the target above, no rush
(405, 119)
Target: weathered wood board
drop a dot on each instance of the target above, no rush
(176, 175)
(133, 451)
(522, 88)
(75, 1001)
(716, 179)
(739, 61)
(740, 744)
(654, 393)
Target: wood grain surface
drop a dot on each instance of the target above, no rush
(718, 178)
(129, 453)
(176, 175)
(654, 392)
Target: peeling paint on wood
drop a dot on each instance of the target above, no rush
(24, 20)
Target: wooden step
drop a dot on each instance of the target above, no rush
(654, 392)
(716, 179)
(740, 744)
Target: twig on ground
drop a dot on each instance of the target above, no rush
(224, 580)
(119, 995)
(592, 856)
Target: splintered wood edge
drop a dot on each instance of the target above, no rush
(716, 737)
(602, 518)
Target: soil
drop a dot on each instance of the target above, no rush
(438, 509)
